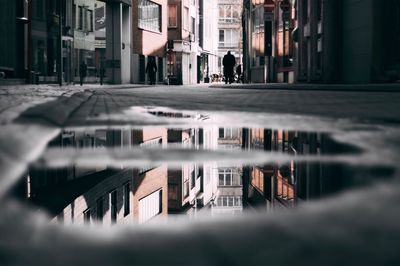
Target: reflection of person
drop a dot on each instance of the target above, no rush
(102, 73)
(82, 72)
(151, 70)
(229, 62)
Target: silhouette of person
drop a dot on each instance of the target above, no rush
(228, 62)
(151, 70)
(82, 72)
(239, 73)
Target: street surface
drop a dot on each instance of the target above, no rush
(356, 227)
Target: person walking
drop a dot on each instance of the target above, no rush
(82, 72)
(228, 62)
(151, 70)
(239, 73)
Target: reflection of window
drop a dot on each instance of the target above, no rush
(229, 133)
(99, 209)
(186, 188)
(229, 177)
(150, 206)
(86, 216)
(149, 15)
(127, 207)
(172, 16)
(193, 179)
(172, 192)
(113, 208)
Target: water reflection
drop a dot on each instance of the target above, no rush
(107, 195)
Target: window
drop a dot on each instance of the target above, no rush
(80, 18)
(229, 38)
(127, 207)
(99, 209)
(149, 15)
(89, 18)
(172, 16)
(113, 196)
(186, 18)
(193, 25)
(229, 13)
(86, 216)
(150, 206)
(258, 37)
(229, 201)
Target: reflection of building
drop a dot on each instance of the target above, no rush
(183, 183)
(229, 199)
(149, 33)
(103, 195)
(285, 184)
(230, 32)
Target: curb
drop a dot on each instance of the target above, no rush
(57, 111)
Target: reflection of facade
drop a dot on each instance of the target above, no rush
(183, 183)
(76, 194)
(284, 185)
(229, 200)
(107, 196)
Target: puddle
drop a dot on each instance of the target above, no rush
(141, 175)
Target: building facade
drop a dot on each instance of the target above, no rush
(14, 18)
(183, 41)
(268, 37)
(348, 42)
(321, 41)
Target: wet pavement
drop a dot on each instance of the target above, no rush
(198, 175)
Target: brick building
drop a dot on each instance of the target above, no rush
(149, 38)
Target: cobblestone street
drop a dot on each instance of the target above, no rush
(361, 221)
